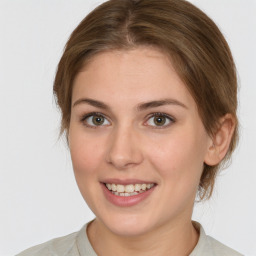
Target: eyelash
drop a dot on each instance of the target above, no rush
(160, 114)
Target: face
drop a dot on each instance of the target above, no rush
(135, 129)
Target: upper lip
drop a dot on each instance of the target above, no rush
(126, 181)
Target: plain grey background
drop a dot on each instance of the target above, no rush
(38, 194)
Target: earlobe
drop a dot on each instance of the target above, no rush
(221, 140)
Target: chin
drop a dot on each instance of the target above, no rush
(128, 225)
(129, 230)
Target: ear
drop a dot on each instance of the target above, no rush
(220, 142)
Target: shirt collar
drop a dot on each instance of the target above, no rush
(85, 248)
(202, 242)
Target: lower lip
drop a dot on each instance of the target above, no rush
(126, 201)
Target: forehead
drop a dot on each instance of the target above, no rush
(141, 74)
(131, 58)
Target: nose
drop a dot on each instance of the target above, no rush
(124, 149)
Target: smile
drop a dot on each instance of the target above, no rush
(128, 190)
(127, 193)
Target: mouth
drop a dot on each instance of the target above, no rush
(128, 192)
(129, 189)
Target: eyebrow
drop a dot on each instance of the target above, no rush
(140, 107)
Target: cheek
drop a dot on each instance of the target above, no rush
(178, 158)
(86, 160)
(85, 153)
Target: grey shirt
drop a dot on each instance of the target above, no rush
(77, 244)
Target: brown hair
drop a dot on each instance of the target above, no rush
(195, 45)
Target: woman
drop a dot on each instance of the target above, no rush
(148, 95)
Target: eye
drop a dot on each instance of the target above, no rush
(160, 120)
(94, 120)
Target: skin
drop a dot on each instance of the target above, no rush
(130, 145)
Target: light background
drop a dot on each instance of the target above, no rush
(39, 199)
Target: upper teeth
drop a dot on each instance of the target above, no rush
(128, 188)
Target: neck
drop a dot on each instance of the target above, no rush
(170, 239)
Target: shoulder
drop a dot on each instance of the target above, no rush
(74, 244)
(65, 245)
(209, 246)
(220, 249)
